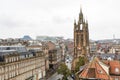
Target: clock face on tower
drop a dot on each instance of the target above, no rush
(78, 48)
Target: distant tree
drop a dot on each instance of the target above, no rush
(66, 47)
(63, 70)
(81, 62)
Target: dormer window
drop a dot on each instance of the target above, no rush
(100, 71)
(117, 70)
(6, 60)
(116, 79)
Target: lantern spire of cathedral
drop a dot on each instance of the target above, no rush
(80, 15)
(81, 37)
(80, 9)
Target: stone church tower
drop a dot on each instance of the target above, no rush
(81, 40)
(81, 36)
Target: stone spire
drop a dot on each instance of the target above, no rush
(80, 16)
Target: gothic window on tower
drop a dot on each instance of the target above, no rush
(76, 28)
(81, 21)
(81, 26)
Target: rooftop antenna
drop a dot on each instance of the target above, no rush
(114, 38)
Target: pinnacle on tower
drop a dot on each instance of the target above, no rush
(86, 22)
(83, 21)
(74, 22)
(80, 15)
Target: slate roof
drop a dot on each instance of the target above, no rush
(17, 48)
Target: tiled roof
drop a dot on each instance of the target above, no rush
(114, 67)
(96, 69)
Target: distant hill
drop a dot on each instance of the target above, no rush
(109, 41)
(27, 37)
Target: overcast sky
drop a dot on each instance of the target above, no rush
(56, 18)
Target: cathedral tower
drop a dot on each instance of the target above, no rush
(81, 36)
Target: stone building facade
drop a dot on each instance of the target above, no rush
(54, 55)
(15, 65)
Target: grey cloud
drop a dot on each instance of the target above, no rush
(9, 22)
(37, 15)
(61, 20)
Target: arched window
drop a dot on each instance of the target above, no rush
(9, 68)
(81, 26)
(0, 77)
(6, 60)
(76, 28)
